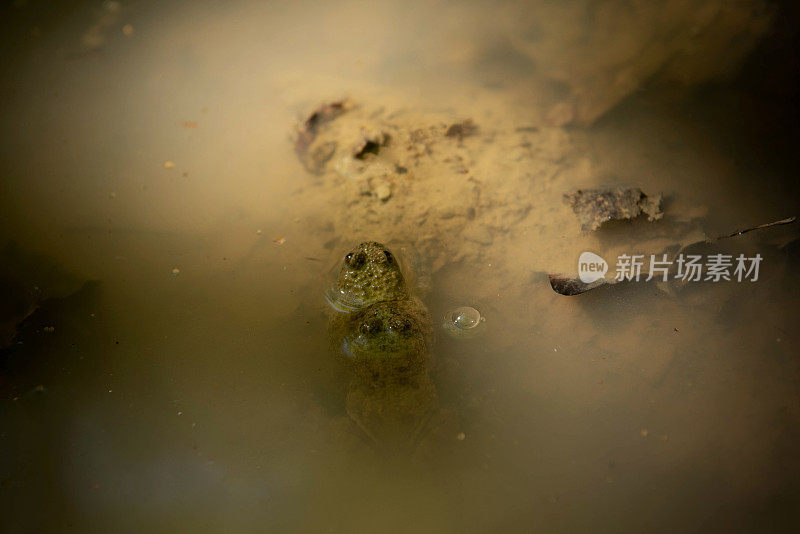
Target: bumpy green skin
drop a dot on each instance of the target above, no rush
(370, 273)
(385, 337)
(387, 341)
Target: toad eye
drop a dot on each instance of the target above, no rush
(356, 261)
(389, 257)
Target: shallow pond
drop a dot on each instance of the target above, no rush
(178, 377)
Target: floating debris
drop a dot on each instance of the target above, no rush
(787, 220)
(596, 206)
(189, 124)
(169, 164)
(279, 241)
(176, 271)
(127, 30)
(463, 321)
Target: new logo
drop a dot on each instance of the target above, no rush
(591, 267)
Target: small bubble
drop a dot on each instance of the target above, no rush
(462, 321)
(176, 271)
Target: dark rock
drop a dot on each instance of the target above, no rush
(596, 206)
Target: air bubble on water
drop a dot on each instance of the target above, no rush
(463, 321)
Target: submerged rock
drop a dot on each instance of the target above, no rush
(596, 206)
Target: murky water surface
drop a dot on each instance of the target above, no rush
(151, 191)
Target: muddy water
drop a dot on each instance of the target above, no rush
(190, 386)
